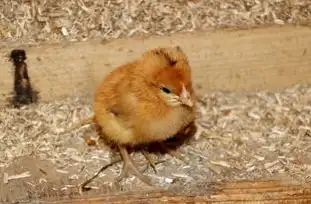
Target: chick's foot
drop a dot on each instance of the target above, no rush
(130, 167)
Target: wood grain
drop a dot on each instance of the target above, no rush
(244, 60)
(246, 192)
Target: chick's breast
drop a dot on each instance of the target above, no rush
(155, 121)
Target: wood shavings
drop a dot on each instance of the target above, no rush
(77, 158)
(213, 168)
(62, 171)
(30, 184)
(243, 136)
(182, 176)
(73, 177)
(35, 21)
(259, 126)
(270, 164)
(162, 178)
(259, 158)
(7, 178)
(42, 180)
(221, 163)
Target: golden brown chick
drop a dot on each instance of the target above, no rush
(148, 100)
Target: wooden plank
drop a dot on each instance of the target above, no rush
(247, 192)
(244, 60)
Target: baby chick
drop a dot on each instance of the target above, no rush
(23, 92)
(148, 100)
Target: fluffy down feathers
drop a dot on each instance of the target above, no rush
(148, 100)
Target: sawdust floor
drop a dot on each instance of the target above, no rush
(249, 136)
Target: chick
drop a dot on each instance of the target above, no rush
(148, 100)
(22, 87)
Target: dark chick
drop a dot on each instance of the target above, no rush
(22, 86)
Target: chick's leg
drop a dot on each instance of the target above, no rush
(129, 167)
(150, 160)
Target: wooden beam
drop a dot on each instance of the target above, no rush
(244, 60)
(246, 192)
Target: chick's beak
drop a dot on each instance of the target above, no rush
(185, 98)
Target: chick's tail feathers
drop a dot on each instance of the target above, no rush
(111, 127)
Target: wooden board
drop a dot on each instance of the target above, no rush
(244, 60)
(246, 192)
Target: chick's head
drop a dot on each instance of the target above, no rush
(173, 84)
(168, 71)
(174, 87)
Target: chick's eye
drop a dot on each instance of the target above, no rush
(165, 90)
